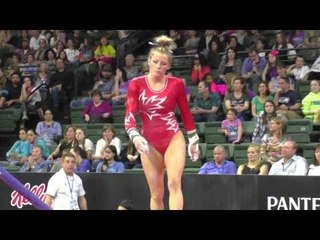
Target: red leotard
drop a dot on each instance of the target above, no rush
(156, 109)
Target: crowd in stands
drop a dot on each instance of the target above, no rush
(239, 75)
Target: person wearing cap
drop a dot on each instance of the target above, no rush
(199, 69)
(106, 83)
(161, 143)
(270, 70)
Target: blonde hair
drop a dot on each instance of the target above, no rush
(163, 44)
(256, 147)
(284, 124)
(258, 150)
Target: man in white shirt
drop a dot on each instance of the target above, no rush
(290, 164)
(65, 189)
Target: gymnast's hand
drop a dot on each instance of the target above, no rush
(141, 144)
(193, 147)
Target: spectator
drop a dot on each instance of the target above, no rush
(263, 121)
(239, 100)
(257, 103)
(311, 103)
(219, 165)
(30, 99)
(110, 162)
(191, 44)
(261, 46)
(57, 36)
(298, 70)
(35, 140)
(60, 80)
(206, 104)
(20, 150)
(270, 70)
(271, 143)
(131, 158)
(105, 52)
(229, 64)
(213, 56)
(48, 129)
(11, 98)
(65, 144)
(82, 163)
(84, 143)
(282, 46)
(274, 81)
(71, 52)
(199, 69)
(60, 46)
(176, 36)
(254, 165)
(290, 163)
(288, 102)
(121, 84)
(314, 169)
(132, 71)
(43, 77)
(212, 85)
(36, 162)
(50, 59)
(39, 54)
(234, 43)
(106, 83)
(98, 110)
(109, 137)
(60, 197)
(232, 127)
(25, 50)
(204, 42)
(253, 67)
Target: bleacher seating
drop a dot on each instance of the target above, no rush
(301, 131)
(240, 153)
(212, 133)
(9, 120)
(303, 88)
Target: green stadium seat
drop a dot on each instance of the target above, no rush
(12, 168)
(303, 88)
(212, 133)
(240, 153)
(214, 138)
(300, 126)
(9, 119)
(300, 137)
(76, 116)
(308, 151)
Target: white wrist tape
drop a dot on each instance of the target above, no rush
(133, 133)
(193, 139)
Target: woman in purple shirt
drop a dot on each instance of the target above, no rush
(48, 129)
(98, 110)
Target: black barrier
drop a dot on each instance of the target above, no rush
(201, 192)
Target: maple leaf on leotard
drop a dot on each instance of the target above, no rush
(151, 104)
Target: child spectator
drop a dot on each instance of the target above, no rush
(232, 127)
